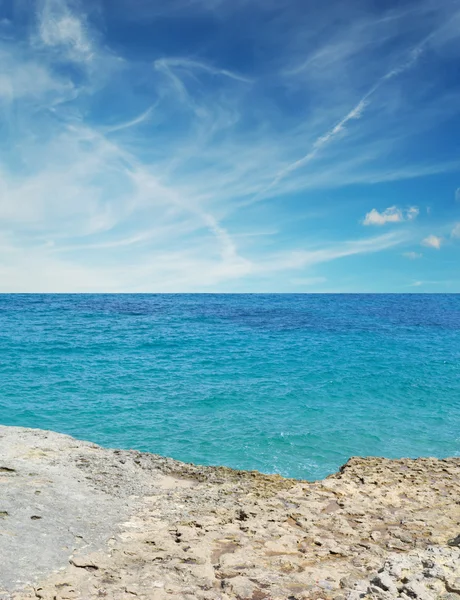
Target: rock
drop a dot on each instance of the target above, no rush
(240, 587)
(158, 584)
(82, 563)
(403, 537)
(385, 582)
(414, 589)
(396, 545)
(355, 595)
(131, 589)
(435, 572)
(454, 541)
(379, 594)
(428, 563)
(453, 585)
(148, 527)
(394, 568)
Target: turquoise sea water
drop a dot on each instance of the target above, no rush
(294, 384)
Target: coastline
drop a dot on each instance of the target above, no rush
(81, 521)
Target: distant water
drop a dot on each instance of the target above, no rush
(293, 384)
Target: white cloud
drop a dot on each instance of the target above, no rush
(28, 79)
(187, 64)
(142, 118)
(306, 258)
(412, 213)
(354, 114)
(432, 241)
(324, 139)
(456, 231)
(191, 269)
(154, 202)
(413, 255)
(457, 194)
(61, 28)
(393, 214)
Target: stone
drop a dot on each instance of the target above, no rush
(385, 582)
(379, 594)
(148, 527)
(453, 585)
(240, 587)
(417, 590)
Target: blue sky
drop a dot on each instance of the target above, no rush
(229, 146)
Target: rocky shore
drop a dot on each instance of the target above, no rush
(80, 522)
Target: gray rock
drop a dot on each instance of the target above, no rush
(379, 594)
(414, 589)
(435, 572)
(385, 582)
(43, 478)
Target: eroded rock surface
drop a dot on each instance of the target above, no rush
(123, 524)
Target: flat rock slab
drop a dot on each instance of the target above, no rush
(80, 522)
(50, 507)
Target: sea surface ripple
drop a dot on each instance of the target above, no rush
(293, 384)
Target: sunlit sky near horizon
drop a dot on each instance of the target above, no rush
(229, 146)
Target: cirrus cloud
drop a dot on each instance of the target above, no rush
(184, 162)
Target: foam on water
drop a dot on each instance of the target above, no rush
(293, 384)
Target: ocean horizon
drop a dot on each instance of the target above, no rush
(283, 383)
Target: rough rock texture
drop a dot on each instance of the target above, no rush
(80, 521)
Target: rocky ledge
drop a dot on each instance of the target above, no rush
(80, 521)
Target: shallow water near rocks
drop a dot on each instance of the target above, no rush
(293, 384)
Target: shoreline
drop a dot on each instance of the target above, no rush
(87, 521)
(183, 466)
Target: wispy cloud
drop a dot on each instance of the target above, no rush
(65, 30)
(27, 79)
(456, 231)
(307, 258)
(323, 140)
(132, 162)
(393, 214)
(354, 114)
(412, 255)
(142, 118)
(187, 65)
(432, 241)
(439, 283)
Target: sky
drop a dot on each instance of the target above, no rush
(229, 146)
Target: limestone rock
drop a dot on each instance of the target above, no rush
(124, 524)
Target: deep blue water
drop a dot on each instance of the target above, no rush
(294, 384)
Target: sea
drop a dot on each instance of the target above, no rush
(290, 384)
